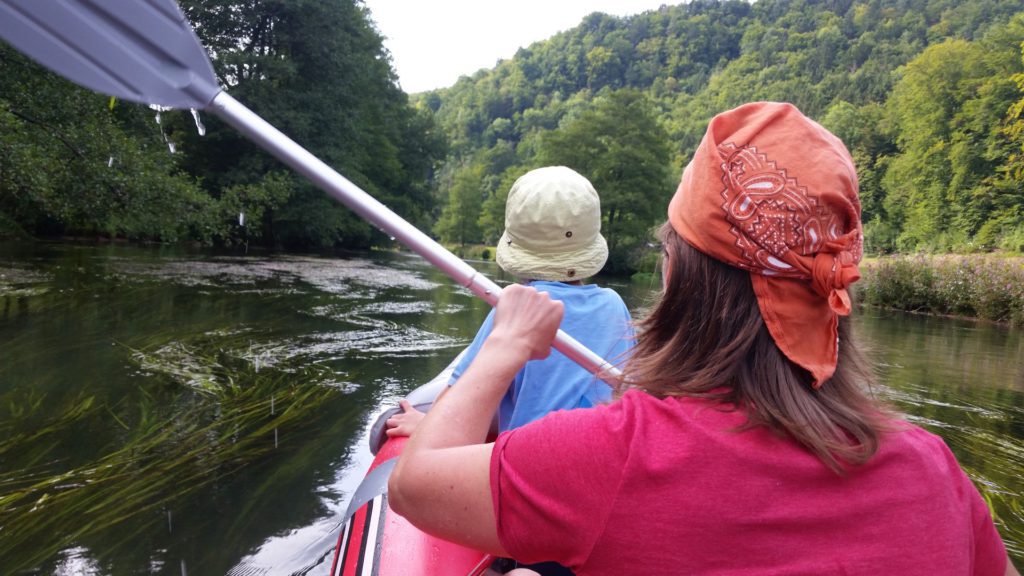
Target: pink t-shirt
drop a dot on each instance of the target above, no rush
(649, 486)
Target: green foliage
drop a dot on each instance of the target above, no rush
(927, 94)
(472, 251)
(318, 72)
(459, 220)
(879, 236)
(243, 208)
(864, 130)
(898, 282)
(312, 219)
(72, 162)
(919, 90)
(984, 287)
(946, 104)
(621, 148)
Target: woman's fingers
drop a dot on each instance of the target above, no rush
(529, 318)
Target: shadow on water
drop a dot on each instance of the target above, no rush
(176, 413)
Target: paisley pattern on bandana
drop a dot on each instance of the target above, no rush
(772, 216)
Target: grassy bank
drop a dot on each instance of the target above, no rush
(987, 287)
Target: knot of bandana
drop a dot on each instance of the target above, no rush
(831, 275)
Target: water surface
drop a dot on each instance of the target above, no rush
(104, 346)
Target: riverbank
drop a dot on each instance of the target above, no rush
(982, 286)
(986, 287)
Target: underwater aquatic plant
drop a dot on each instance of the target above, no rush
(172, 445)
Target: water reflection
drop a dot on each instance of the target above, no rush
(131, 327)
(964, 381)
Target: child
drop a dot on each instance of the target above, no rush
(552, 241)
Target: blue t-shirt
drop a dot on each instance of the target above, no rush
(596, 317)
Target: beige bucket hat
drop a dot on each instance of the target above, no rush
(552, 227)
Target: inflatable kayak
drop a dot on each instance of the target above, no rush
(376, 541)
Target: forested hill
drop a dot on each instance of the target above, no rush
(926, 93)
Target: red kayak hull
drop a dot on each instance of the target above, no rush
(377, 541)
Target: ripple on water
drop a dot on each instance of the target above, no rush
(416, 307)
(347, 315)
(368, 315)
(919, 396)
(927, 422)
(343, 386)
(344, 313)
(19, 282)
(264, 354)
(331, 275)
(403, 341)
(179, 362)
(79, 561)
(193, 272)
(328, 274)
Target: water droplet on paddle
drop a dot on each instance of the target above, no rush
(199, 123)
(158, 109)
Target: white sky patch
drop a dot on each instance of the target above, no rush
(433, 43)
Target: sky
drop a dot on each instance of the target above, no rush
(433, 43)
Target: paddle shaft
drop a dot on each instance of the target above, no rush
(340, 188)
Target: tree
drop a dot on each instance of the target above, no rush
(865, 131)
(75, 162)
(950, 105)
(459, 222)
(1005, 227)
(319, 72)
(621, 148)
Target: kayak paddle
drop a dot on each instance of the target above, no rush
(146, 51)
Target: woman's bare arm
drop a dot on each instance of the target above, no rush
(441, 482)
(1010, 570)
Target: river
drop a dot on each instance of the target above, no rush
(174, 412)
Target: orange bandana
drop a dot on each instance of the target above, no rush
(771, 191)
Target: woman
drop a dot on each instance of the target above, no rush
(744, 441)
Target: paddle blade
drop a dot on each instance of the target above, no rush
(142, 50)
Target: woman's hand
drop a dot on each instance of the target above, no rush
(441, 482)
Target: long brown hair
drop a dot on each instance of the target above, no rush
(705, 337)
